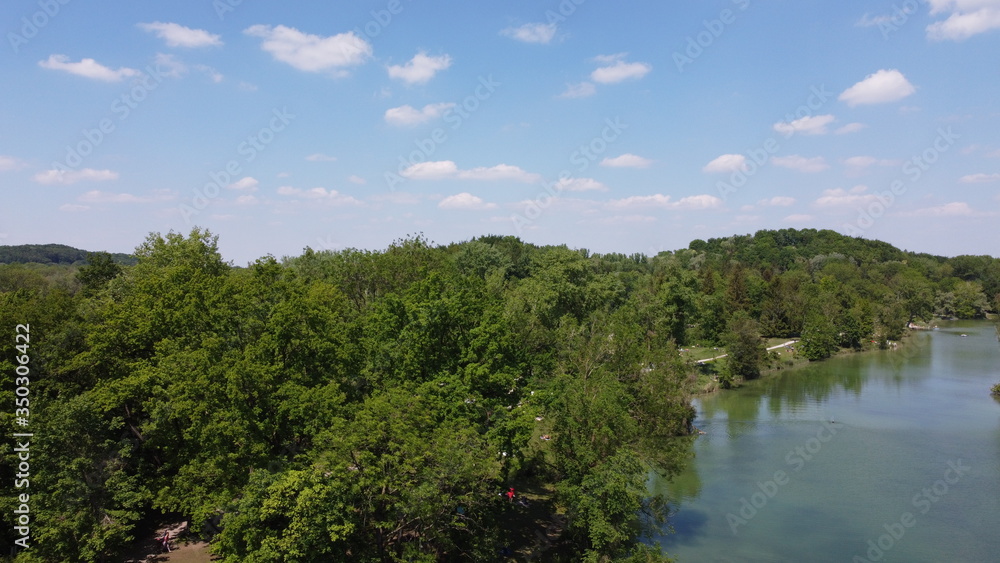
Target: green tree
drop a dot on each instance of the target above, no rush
(745, 348)
(819, 338)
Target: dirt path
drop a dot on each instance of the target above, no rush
(183, 550)
(789, 343)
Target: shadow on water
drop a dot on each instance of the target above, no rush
(688, 526)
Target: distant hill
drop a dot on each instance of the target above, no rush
(53, 254)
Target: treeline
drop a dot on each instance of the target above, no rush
(371, 406)
(53, 254)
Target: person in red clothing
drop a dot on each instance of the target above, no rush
(510, 494)
(165, 541)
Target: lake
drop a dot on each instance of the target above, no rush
(908, 470)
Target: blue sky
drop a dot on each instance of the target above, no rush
(619, 127)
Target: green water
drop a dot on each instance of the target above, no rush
(826, 489)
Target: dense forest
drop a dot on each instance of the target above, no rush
(53, 254)
(375, 406)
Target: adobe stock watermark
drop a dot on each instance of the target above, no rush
(896, 19)
(914, 170)
(33, 24)
(714, 28)
(795, 459)
(121, 108)
(922, 502)
(760, 156)
(249, 149)
(455, 116)
(582, 157)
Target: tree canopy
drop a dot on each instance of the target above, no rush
(373, 405)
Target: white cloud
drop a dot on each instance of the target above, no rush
(777, 201)
(322, 195)
(446, 169)
(73, 207)
(856, 196)
(965, 19)
(320, 157)
(10, 163)
(627, 160)
(88, 68)
(213, 74)
(97, 196)
(809, 125)
(869, 21)
(980, 178)
(431, 170)
(532, 32)
(247, 200)
(465, 200)
(953, 209)
(247, 183)
(581, 90)
(354, 179)
(665, 201)
(177, 35)
(726, 163)
(860, 163)
(618, 70)
(580, 185)
(312, 53)
(67, 177)
(880, 87)
(170, 65)
(420, 69)
(850, 128)
(408, 115)
(801, 163)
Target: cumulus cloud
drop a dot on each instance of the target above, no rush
(532, 32)
(420, 69)
(627, 160)
(801, 163)
(447, 169)
(177, 35)
(777, 201)
(321, 195)
(618, 70)
(312, 53)
(980, 178)
(881, 87)
(858, 164)
(809, 125)
(67, 177)
(953, 209)
(355, 179)
(965, 19)
(245, 184)
(10, 163)
(320, 157)
(97, 196)
(247, 200)
(408, 115)
(465, 201)
(581, 90)
(837, 197)
(665, 201)
(88, 68)
(580, 185)
(73, 207)
(726, 163)
(850, 128)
